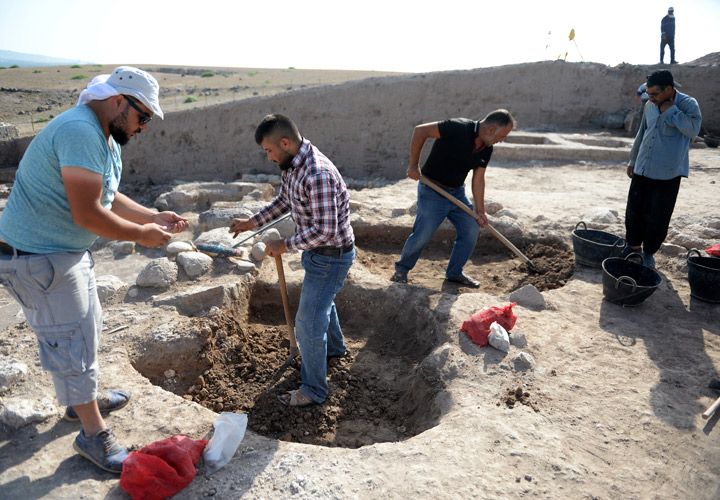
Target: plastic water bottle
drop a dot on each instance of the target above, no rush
(227, 436)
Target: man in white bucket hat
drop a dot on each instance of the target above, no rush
(66, 195)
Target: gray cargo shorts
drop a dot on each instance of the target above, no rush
(58, 296)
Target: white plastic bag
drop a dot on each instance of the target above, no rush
(498, 337)
(229, 432)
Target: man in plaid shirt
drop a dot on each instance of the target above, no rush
(315, 194)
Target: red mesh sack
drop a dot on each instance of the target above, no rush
(478, 326)
(714, 250)
(161, 469)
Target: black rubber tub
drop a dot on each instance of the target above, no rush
(628, 283)
(704, 277)
(591, 246)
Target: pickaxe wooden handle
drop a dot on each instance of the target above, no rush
(286, 307)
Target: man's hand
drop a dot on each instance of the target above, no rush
(413, 172)
(665, 105)
(171, 221)
(629, 171)
(275, 248)
(153, 235)
(481, 218)
(240, 225)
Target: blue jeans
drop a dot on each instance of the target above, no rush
(317, 327)
(432, 209)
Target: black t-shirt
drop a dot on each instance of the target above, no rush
(452, 155)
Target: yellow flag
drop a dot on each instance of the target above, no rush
(571, 37)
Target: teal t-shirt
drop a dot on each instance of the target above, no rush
(37, 216)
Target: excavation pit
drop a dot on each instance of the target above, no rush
(381, 391)
(499, 271)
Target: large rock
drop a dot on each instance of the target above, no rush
(11, 372)
(600, 216)
(271, 234)
(220, 236)
(216, 217)
(159, 273)
(108, 286)
(17, 412)
(528, 296)
(195, 264)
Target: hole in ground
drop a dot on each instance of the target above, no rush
(499, 271)
(379, 392)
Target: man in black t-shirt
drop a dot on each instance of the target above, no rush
(460, 146)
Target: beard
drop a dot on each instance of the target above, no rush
(286, 162)
(117, 129)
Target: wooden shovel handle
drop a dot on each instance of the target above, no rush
(286, 304)
(708, 413)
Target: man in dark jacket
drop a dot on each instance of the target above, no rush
(667, 36)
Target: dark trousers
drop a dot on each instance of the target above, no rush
(650, 205)
(671, 43)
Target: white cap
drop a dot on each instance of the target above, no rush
(139, 84)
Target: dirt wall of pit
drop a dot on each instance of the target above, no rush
(365, 126)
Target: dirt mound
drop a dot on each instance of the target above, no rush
(498, 272)
(708, 59)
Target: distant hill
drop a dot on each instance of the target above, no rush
(9, 58)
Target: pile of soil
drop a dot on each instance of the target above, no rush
(518, 395)
(498, 273)
(248, 371)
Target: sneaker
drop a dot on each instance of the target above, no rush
(107, 401)
(464, 280)
(399, 277)
(648, 260)
(102, 449)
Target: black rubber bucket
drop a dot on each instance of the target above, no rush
(628, 283)
(591, 247)
(704, 277)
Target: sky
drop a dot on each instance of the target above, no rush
(382, 35)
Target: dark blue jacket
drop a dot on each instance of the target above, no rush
(667, 26)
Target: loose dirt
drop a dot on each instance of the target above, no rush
(369, 400)
(499, 273)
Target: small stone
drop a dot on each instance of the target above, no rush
(258, 251)
(11, 371)
(518, 339)
(169, 373)
(524, 361)
(530, 297)
(177, 247)
(122, 248)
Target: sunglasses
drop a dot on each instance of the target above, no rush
(144, 117)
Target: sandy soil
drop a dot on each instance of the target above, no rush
(612, 408)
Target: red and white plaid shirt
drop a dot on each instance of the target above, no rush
(314, 192)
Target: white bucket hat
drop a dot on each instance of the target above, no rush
(128, 81)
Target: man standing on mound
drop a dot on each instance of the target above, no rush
(461, 146)
(658, 160)
(314, 192)
(65, 195)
